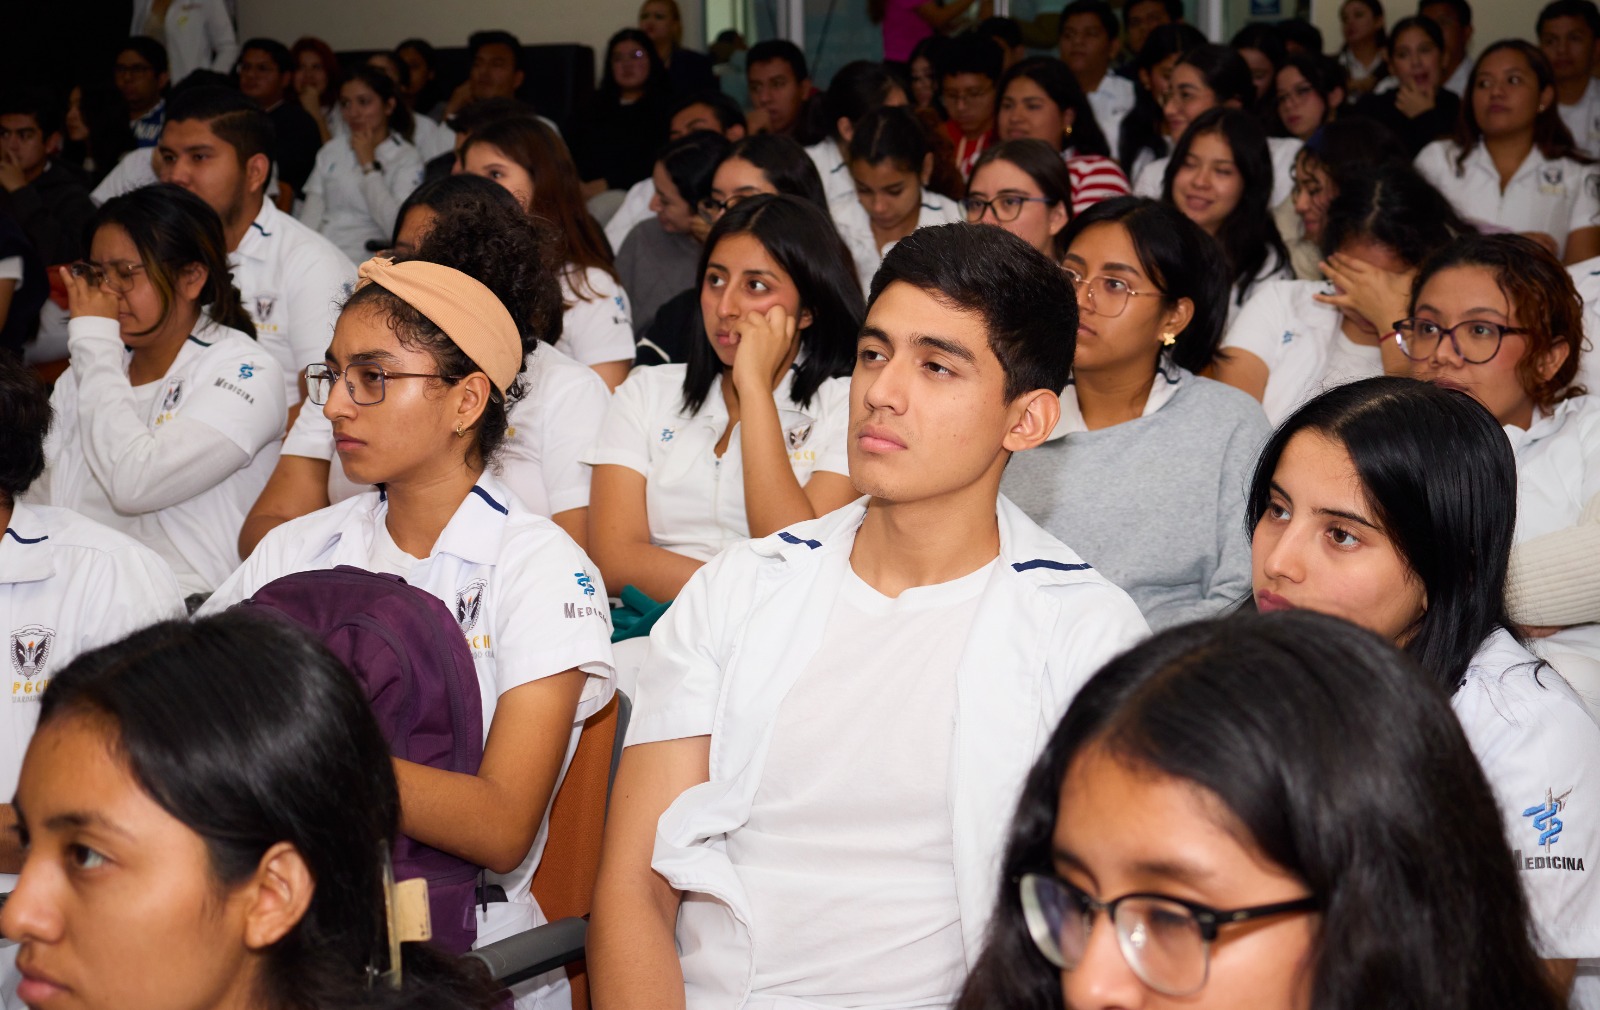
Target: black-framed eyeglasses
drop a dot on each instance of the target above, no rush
(1108, 296)
(1006, 207)
(712, 208)
(1165, 940)
(113, 275)
(1475, 340)
(363, 380)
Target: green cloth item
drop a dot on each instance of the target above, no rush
(636, 615)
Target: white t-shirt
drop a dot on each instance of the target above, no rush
(1147, 181)
(635, 208)
(837, 183)
(525, 595)
(847, 856)
(177, 463)
(1540, 751)
(693, 499)
(351, 207)
(1301, 341)
(67, 585)
(1554, 196)
(551, 428)
(135, 169)
(293, 282)
(856, 228)
(1111, 101)
(596, 326)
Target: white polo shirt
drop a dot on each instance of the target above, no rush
(1300, 340)
(1586, 276)
(597, 325)
(1111, 101)
(694, 500)
(1583, 119)
(725, 657)
(135, 169)
(176, 463)
(1147, 181)
(837, 183)
(551, 429)
(530, 604)
(635, 208)
(1540, 751)
(856, 228)
(1554, 196)
(351, 207)
(293, 283)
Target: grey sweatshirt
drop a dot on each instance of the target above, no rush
(1156, 504)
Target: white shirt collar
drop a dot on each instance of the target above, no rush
(1169, 377)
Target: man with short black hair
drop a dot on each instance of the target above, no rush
(705, 110)
(49, 201)
(292, 280)
(1454, 18)
(1569, 36)
(496, 69)
(266, 68)
(1141, 17)
(1088, 44)
(780, 85)
(969, 75)
(140, 73)
(833, 723)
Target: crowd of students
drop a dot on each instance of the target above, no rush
(949, 442)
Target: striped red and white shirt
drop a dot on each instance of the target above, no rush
(1094, 178)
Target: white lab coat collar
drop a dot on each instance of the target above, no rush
(24, 554)
(1005, 709)
(1169, 377)
(1545, 423)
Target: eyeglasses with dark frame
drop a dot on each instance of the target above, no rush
(1165, 940)
(1006, 207)
(1108, 296)
(365, 381)
(1476, 341)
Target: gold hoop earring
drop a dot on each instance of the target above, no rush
(1068, 131)
(460, 430)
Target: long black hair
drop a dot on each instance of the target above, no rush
(1329, 753)
(1140, 131)
(785, 164)
(1248, 235)
(1392, 204)
(803, 241)
(283, 748)
(1055, 80)
(1440, 476)
(400, 119)
(1551, 138)
(658, 84)
(173, 229)
(1179, 258)
(691, 161)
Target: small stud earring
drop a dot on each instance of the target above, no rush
(1168, 339)
(1068, 131)
(460, 431)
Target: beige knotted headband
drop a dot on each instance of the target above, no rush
(467, 311)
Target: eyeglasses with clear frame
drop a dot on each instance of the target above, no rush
(1006, 207)
(1108, 296)
(365, 381)
(1165, 940)
(1476, 341)
(114, 275)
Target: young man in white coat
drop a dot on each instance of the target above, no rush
(833, 723)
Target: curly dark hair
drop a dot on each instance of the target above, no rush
(515, 256)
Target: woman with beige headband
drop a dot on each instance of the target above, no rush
(423, 365)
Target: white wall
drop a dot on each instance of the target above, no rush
(1492, 20)
(378, 24)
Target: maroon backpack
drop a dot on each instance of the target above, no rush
(407, 650)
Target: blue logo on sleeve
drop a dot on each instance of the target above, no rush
(584, 582)
(1545, 820)
(246, 370)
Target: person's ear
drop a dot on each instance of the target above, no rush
(847, 129)
(388, 108)
(1546, 98)
(1550, 362)
(472, 398)
(277, 896)
(257, 170)
(192, 280)
(1335, 98)
(1069, 117)
(804, 321)
(1060, 217)
(1116, 46)
(927, 168)
(1033, 418)
(735, 133)
(516, 81)
(1177, 320)
(162, 80)
(53, 143)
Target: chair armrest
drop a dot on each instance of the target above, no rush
(534, 951)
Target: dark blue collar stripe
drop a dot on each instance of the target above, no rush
(1054, 566)
(257, 226)
(481, 493)
(19, 538)
(197, 340)
(790, 538)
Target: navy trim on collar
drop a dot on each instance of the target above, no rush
(257, 226)
(1055, 566)
(790, 538)
(19, 538)
(202, 343)
(481, 493)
